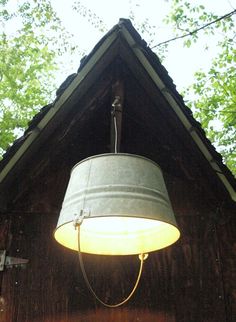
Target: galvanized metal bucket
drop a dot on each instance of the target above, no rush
(125, 205)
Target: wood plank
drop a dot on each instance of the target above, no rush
(180, 283)
(5, 241)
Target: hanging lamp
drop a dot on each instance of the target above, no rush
(116, 204)
(123, 203)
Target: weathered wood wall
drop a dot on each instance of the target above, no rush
(191, 281)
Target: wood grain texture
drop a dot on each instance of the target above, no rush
(180, 283)
(5, 242)
(191, 281)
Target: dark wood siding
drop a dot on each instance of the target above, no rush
(192, 281)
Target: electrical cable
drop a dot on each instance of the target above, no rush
(116, 134)
(79, 220)
(228, 15)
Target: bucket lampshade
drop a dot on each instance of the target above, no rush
(125, 204)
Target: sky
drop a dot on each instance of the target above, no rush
(180, 62)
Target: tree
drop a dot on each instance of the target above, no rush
(28, 62)
(144, 27)
(212, 96)
(29, 59)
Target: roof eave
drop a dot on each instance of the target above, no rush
(60, 102)
(173, 102)
(167, 92)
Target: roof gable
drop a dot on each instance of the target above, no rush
(124, 42)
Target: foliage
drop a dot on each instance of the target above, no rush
(143, 26)
(213, 94)
(91, 16)
(29, 55)
(27, 64)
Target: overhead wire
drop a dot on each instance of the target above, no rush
(190, 33)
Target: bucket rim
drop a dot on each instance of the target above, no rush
(96, 156)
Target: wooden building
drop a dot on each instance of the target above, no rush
(193, 280)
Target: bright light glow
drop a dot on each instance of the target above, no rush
(118, 235)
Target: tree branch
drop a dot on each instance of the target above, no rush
(198, 29)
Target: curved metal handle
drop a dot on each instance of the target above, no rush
(142, 257)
